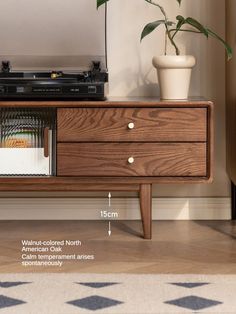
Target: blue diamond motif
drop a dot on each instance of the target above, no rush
(9, 284)
(97, 284)
(94, 303)
(193, 303)
(7, 302)
(190, 285)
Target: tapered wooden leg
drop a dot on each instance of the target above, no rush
(233, 197)
(145, 196)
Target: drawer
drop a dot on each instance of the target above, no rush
(131, 159)
(132, 125)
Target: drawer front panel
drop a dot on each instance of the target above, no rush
(132, 125)
(131, 159)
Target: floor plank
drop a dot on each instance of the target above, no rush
(177, 247)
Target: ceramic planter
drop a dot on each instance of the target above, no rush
(174, 75)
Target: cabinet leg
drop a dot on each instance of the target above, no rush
(233, 198)
(145, 196)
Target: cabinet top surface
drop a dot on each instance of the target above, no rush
(110, 102)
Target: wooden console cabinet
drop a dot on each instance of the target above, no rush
(125, 145)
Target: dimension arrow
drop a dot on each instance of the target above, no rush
(109, 199)
(109, 229)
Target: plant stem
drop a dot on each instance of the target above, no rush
(160, 7)
(168, 34)
(182, 30)
(173, 43)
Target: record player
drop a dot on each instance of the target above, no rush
(67, 61)
(91, 84)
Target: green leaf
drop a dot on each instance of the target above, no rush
(101, 2)
(150, 27)
(191, 21)
(181, 21)
(228, 49)
(179, 1)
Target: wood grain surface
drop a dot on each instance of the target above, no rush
(149, 124)
(145, 195)
(75, 184)
(124, 102)
(131, 182)
(150, 159)
(177, 247)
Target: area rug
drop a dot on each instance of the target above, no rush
(116, 293)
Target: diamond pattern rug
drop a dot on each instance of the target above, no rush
(116, 293)
(94, 303)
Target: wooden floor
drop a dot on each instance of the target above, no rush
(177, 247)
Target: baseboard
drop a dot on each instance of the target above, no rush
(127, 208)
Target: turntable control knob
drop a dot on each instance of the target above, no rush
(131, 126)
(53, 76)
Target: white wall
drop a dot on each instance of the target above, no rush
(132, 74)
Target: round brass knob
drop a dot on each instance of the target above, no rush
(131, 160)
(131, 125)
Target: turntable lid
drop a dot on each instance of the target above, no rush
(52, 34)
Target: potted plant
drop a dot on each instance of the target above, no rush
(174, 71)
